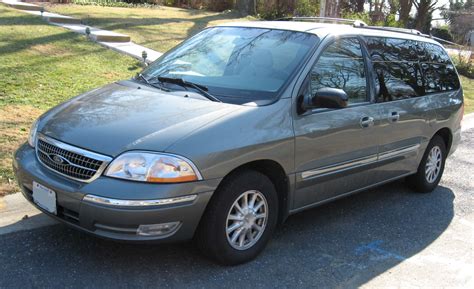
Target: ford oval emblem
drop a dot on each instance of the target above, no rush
(59, 160)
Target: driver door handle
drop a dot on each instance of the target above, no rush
(394, 116)
(366, 121)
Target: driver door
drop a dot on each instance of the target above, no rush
(335, 148)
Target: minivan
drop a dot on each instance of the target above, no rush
(241, 125)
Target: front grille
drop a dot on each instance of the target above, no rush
(68, 162)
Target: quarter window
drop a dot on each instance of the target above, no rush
(341, 66)
(439, 72)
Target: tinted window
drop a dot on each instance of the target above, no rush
(432, 53)
(398, 80)
(239, 65)
(341, 66)
(398, 72)
(440, 77)
(439, 72)
(392, 49)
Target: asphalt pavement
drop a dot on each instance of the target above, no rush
(387, 237)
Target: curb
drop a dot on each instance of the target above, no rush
(17, 214)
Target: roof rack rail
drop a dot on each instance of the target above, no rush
(396, 29)
(355, 23)
(362, 24)
(409, 31)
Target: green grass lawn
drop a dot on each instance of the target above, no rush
(468, 87)
(40, 66)
(158, 28)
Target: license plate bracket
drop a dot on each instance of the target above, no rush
(44, 198)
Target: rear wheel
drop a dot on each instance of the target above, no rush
(431, 167)
(240, 219)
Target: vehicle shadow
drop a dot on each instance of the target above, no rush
(342, 244)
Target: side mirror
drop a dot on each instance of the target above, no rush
(327, 98)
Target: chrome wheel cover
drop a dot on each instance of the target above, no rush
(246, 220)
(433, 164)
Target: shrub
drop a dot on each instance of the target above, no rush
(442, 32)
(464, 66)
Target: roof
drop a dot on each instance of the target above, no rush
(324, 29)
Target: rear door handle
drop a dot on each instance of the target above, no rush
(394, 116)
(366, 121)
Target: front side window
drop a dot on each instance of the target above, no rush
(237, 64)
(341, 66)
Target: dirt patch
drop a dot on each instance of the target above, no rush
(112, 75)
(50, 50)
(15, 122)
(7, 188)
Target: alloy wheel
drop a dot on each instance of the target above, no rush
(433, 164)
(246, 220)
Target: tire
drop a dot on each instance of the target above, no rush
(212, 237)
(423, 181)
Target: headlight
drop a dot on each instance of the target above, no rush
(153, 167)
(32, 135)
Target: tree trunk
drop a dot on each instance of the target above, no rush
(332, 9)
(247, 7)
(360, 6)
(405, 7)
(424, 11)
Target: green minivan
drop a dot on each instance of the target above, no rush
(241, 125)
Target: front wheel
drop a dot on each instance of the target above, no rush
(240, 219)
(431, 167)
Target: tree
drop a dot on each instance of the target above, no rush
(424, 13)
(246, 7)
(376, 10)
(404, 11)
(333, 8)
(353, 6)
(460, 16)
(394, 6)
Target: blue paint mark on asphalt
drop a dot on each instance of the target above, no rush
(374, 247)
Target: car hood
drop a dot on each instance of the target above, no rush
(124, 116)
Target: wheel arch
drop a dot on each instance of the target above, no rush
(277, 175)
(447, 136)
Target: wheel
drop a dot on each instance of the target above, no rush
(431, 167)
(239, 219)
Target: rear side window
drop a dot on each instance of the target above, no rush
(438, 70)
(397, 69)
(392, 49)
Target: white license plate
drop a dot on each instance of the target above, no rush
(44, 197)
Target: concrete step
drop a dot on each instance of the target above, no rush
(132, 49)
(24, 6)
(63, 19)
(109, 36)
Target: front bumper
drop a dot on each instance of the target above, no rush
(116, 220)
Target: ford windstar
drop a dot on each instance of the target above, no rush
(242, 125)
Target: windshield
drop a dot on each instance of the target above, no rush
(236, 65)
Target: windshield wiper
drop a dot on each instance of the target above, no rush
(154, 84)
(199, 87)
